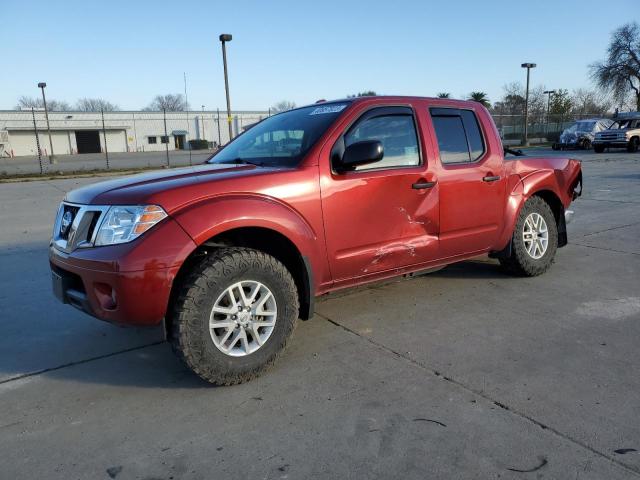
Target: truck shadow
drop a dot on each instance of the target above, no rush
(45, 339)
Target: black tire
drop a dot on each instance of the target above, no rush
(598, 148)
(632, 146)
(520, 262)
(586, 144)
(190, 312)
(555, 146)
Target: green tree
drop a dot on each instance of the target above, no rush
(561, 102)
(366, 93)
(480, 97)
(444, 95)
(619, 73)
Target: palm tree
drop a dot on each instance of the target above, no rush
(444, 95)
(480, 97)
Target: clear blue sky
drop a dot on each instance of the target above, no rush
(128, 51)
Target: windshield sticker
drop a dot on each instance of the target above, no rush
(328, 109)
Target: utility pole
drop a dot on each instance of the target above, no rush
(166, 137)
(202, 118)
(224, 38)
(548, 93)
(186, 106)
(104, 134)
(52, 158)
(35, 130)
(219, 136)
(525, 141)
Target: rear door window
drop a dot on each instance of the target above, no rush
(458, 133)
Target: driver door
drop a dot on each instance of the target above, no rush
(384, 215)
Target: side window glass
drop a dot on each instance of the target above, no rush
(398, 136)
(452, 140)
(459, 136)
(471, 127)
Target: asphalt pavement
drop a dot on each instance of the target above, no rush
(463, 373)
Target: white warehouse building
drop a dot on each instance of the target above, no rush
(140, 131)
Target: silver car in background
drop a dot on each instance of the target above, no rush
(582, 133)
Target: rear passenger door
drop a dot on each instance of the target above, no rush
(471, 182)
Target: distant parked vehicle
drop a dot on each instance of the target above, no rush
(624, 133)
(582, 133)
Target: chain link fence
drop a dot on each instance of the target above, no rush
(88, 141)
(541, 128)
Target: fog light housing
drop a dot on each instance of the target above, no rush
(106, 296)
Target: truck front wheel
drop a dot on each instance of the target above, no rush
(632, 146)
(535, 240)
(598, 148)
(233, 315)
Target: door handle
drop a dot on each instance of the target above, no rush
(491, 178)
(422, 185)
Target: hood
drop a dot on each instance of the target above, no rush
(168, 188)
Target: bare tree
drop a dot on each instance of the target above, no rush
(283, 106)
(619, 73)
(95, 105)
(35, 102)
(170, 102)
(512, 101)
(590, 102)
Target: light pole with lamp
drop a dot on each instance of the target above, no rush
(525, 140)
(42, 85)
(548, 93)
(202, 118)
(224, 38)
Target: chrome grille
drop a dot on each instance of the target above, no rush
(76, 226)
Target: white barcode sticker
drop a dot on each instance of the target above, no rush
(328, 109)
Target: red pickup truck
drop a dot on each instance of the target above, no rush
(229, 254)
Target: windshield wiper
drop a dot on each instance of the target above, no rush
(242, 161)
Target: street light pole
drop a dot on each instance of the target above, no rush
(548, 93)
(52, 159)
(528, 66)
(224, 38)
(202, 118)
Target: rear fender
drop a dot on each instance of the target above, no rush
(543, 182)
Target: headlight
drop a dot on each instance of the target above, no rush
(123, 224)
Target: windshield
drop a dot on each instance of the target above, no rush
(585, 126)
(625, 124)
(281, 140)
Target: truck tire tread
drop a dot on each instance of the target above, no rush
(192, 302)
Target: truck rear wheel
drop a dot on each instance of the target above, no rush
(233, 315)
(535, 240)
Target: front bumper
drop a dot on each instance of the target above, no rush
(128, 284)
(613, 143)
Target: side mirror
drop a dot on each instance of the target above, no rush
(361, 153)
